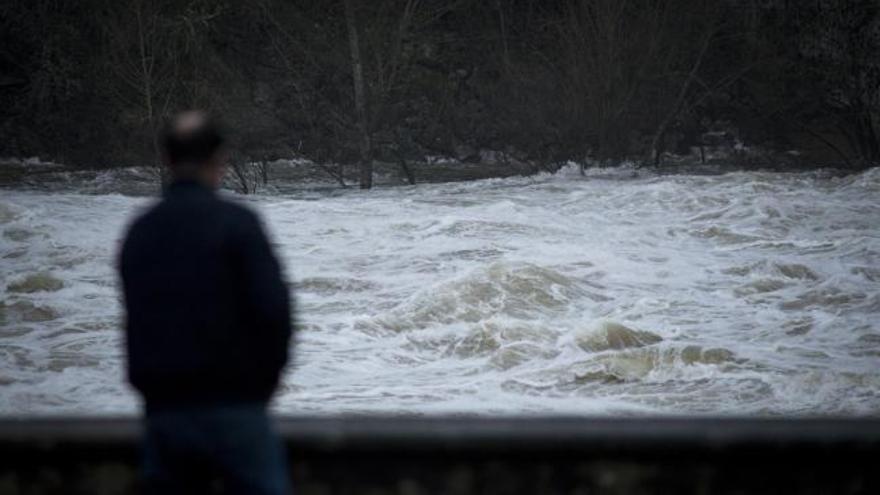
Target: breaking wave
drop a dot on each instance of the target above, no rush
(621, 292)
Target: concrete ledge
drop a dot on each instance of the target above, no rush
(416, 455)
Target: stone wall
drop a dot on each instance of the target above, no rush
(415, 456)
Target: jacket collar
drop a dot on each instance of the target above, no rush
(187, 187)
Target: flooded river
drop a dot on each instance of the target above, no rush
(621, 292)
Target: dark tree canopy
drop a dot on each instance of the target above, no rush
(88, 82)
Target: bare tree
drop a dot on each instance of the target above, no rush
(249, 176)
(678, 104)
(610, 47)
(142, 57)
(360, 103)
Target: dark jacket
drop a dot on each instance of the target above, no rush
(208, 317)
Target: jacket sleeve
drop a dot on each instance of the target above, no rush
(266, 293)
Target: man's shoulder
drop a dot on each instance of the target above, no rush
(227, 214)
(236, 211)
(143, 218)
(216, 204)
(240, 220)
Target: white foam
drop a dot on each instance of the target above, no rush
(472, 297)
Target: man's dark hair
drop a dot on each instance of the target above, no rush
(191, 138)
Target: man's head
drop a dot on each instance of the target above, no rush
(193, 147)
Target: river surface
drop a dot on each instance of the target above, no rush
(618, 293)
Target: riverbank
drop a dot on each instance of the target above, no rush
(291, 175)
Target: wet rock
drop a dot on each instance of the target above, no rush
(829, 297)
(740, 271)
(612, 335)
(26, 311)
(760, 286)
(798, 327)
(693, 354)
(330, 285)
(7, 332)
(724, 235)
(796, 271)
(18, 235)
(36, 282)
(15, 254)
(70, 360)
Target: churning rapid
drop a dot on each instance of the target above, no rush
(615, 293)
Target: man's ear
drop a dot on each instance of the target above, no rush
(220, 158)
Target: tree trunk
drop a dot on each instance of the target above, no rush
(146, 68)
(404, 167)
(873, 147)
(656, 141)
(366, 163)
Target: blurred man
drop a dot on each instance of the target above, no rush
(207, 327)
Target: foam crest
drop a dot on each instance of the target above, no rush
(516, 290)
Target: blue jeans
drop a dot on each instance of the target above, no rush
(205, 449)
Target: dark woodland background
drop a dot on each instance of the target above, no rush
(88, 82)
